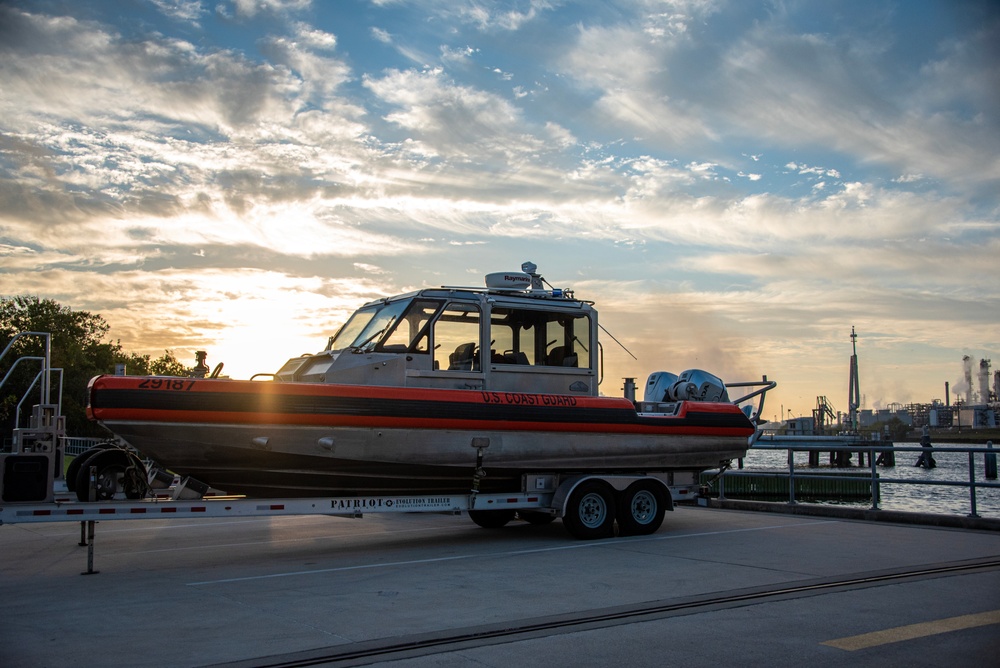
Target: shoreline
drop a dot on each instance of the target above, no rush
(967, 436)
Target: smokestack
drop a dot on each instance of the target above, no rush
(984, 381)
(947, 394)
(967, 368)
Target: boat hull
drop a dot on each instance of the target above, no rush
(300, 439)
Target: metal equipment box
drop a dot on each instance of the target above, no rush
(26, 477)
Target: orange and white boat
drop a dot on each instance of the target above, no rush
(410, 382)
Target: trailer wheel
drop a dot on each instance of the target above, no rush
(74, 466)
(492, 519)
(590, 512)
(118, 471)
(641, 508)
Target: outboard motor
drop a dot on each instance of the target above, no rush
(697, 385)
(657, 385)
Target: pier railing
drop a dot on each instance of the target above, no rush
(874, 478)
(77, 445)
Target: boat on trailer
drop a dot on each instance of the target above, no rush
(407, 385)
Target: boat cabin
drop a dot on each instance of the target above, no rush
(513, 336)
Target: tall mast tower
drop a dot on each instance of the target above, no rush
(853, 388)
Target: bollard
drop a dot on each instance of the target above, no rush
(926, 459)
(875, 488)
(887, 457)
(991, 462)
(791, 476)
(972, 484)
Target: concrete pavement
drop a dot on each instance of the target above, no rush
(202, 592)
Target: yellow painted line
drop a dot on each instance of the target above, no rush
(901, 633)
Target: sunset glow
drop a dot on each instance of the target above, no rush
(735, 184)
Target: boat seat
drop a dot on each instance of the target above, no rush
(558, 357)
(462, 358)
(511, 357)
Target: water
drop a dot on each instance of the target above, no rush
(937, 499)
(923, 498)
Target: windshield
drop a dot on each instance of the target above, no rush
(352, 328)
(367, 325)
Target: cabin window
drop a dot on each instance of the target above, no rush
(539, 338)
(409, 334)
(352, 328)
(456, 338)
(382, 320)
(399, 326)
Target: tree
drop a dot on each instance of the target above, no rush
(144, 365)
(78, 348)
(896, 429)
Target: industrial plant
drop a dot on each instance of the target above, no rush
(975, 406)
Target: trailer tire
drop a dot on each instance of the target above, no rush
(492, 519)
(77, 462)
(117, 471)
(641, 508)
(590, 511)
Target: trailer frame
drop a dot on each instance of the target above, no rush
(586, 517)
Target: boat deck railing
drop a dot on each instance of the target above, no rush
(873, 479)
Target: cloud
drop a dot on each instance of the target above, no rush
(731, 185)
(453, 121)
(181, 310)
(250, 8)
(632, 78)
(60, 67)
(311, 37)
(808, 89)
(794, 89)
(317, 77)
(160, 129)
(459, 55)
(181, 10)
(507, 16)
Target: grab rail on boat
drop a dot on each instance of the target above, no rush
(763, 387)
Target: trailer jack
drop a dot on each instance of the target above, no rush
(480, 444)
(87, 531)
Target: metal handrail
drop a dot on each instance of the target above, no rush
(17, 415)
(14, 366)
(47, 359)
(876, 481)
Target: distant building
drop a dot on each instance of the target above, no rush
(976, 417)
(802, 426)
(940, 416)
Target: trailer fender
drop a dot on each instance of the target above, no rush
(619, 482)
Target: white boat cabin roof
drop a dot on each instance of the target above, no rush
(511, 336)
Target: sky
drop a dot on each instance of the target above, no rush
(735, 184)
